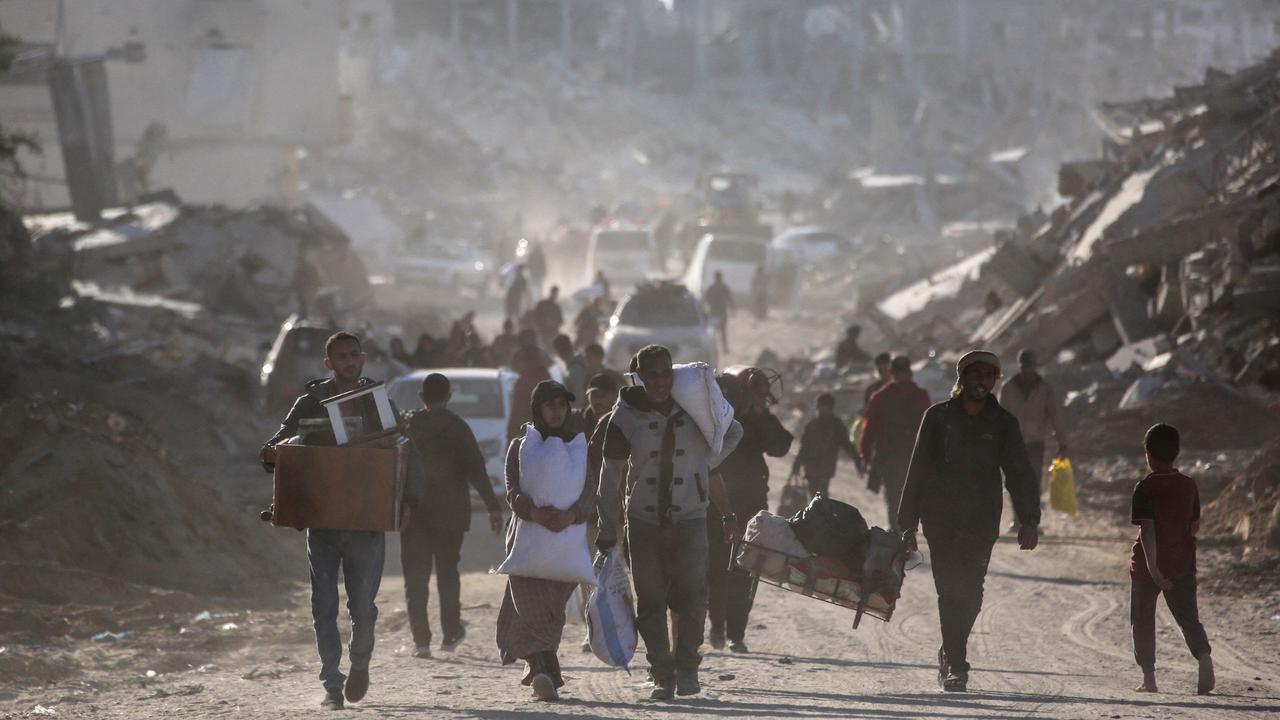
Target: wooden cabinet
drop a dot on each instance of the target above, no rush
(339, 488)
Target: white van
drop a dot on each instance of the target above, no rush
(736, 257)
(625, 254)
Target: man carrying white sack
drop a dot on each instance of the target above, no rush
(657, 444)
(547, 551)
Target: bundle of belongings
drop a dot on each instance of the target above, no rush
(826, 551)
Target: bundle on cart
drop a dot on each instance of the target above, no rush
(826, 552)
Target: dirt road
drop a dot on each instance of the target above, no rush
(1052, 641)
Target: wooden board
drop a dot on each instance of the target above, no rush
(338, 488)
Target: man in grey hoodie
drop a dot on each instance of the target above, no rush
(654, 445)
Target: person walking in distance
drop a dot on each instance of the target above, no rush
(547, 315)
(883, 376)
(953, 488)
(718, 299)
(820, 445)
(531, 620)
(746, 478)
(450, 462)
(1033, 401)
(653, 444)
(1166, 507)
(848, 352)
(517, 294)
(358, 555)
(893, 417)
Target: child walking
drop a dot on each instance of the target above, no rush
(820, 445)
(1166, 507)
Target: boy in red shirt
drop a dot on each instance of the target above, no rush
(1166, 506)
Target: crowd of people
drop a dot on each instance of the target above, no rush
(650, 480)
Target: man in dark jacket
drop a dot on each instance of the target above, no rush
(746, 477)
(358, 554)
(448, 461)
(820, 445)
(953, 488)
(893, 417)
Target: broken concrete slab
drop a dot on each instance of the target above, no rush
(1138, 354)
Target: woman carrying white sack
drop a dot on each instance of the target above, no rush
(547, 552)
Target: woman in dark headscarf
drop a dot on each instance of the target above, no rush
(532, 617)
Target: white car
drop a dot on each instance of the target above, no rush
(449, 264)
(808, 245)
(624, 253)
(665, 314)
(482, 397)
(736, 257)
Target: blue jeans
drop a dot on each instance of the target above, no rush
(360, 556)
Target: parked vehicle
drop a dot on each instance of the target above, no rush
(447, 264)
(625, 254)
(296, 356)
(735, 256)
(481, 396)
(664, 313)
(808, 245)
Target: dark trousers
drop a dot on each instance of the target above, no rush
(359, 556)
(1181, 599)
(722, 329)
(669, 564)
(421, 550)
(729, 594)
(823, 485)
(890, 474)
(1035, 454)
(959, 570)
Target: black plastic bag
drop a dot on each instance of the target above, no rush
(832, 528)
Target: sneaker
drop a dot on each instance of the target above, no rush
(663, 690)
(737, 646)
(687, 683)
(422, 651)
(332, 700)
(357, 684)
(716, 638)
(451, 642)
(586, 645)
(544, 687)
(955, 683)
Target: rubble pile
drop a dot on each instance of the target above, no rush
(127, 433)
(1249, 508)
(195, 259)
(1154, 291)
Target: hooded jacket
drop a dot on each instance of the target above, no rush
(664, 459)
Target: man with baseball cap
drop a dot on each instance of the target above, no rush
(953, 489)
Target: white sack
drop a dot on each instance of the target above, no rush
(611, 612)
(695, 389)
(775, 533)
(551, 473)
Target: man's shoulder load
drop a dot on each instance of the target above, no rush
(552, 472)
(695, 390)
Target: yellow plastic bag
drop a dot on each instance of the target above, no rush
(1062, 486)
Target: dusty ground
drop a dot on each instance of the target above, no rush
(1052, 641)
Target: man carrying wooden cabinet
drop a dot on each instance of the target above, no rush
(359, 554)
